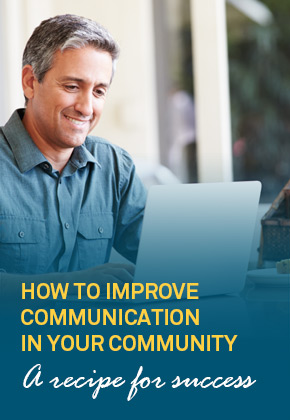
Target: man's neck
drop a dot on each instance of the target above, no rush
(58, 158)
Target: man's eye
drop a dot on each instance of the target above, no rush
(71, 87)
(100, 92)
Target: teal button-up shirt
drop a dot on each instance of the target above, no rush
(51, 222)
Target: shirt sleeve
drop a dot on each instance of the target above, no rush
(131, 210)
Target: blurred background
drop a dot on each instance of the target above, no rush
(202, 88)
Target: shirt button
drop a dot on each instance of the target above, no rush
(46, 166)
(101, 230)
(66, 225)
(21, 234)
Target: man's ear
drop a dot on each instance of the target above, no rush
(28, 80)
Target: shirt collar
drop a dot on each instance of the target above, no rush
(27, 154)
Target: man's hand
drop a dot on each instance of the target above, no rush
(10, 284)
(103, 274)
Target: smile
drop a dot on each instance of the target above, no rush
(77, 122)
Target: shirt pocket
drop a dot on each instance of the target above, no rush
(22, 245)
(95, 238)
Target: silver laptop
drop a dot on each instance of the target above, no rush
(198, 233)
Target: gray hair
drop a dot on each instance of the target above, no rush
(61, 33)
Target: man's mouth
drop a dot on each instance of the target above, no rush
(77, 122)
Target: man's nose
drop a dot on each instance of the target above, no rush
(84, 104)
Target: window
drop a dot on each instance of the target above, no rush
(175, 87)
(259, 66)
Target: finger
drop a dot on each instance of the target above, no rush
(120, 275)
(128, 267)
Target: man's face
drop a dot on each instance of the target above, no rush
(68, 103)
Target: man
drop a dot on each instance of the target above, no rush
(66, 197)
